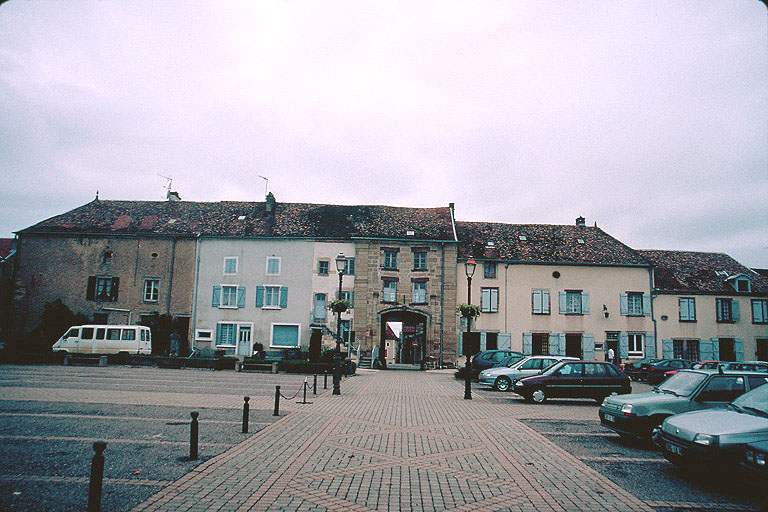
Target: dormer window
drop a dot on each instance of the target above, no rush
(522, 238)
(580, 240)
(740, 283)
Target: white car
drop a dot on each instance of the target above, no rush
(501, 378)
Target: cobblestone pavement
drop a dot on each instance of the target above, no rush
(398, 441)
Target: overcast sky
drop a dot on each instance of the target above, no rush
(649, 118)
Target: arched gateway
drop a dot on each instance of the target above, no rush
(403, 338)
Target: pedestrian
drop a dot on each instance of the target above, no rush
(175, 342)
(611, 355)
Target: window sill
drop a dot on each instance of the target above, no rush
(419, 303)
(687, 321)
(151, 301)
(483, 311)
(420, 270)
(727, 321)
(271, 307)
(226, 346)
(540, 314)
(227, 307)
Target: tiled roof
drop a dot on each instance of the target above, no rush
(700, 272)
(543, 243)
(250, 220)
(6, 244)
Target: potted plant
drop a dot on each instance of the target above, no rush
(339, 305)
(468, 310)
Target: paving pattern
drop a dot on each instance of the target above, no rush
(397, 441)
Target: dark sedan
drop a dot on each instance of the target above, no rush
(634, 370)
(569, 379)
(655, 373)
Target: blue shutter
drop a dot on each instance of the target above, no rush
(561, 344)
(623, 345)
(283, 297)
(563, 305)
(482, 341)
(218, 334)
(527, 343)
(667, 349)
(738, 349)
(624, 304)
(650, 346)
(351, 300)
(705, 350)
(241, 296)
(505, 341)
(715, 349)
(735, 310)
(588, 347)
(216, 300)
(646, 304)
(545, 302)
(259, 296)
(584, 303)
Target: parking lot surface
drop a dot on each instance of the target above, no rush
(394, 440)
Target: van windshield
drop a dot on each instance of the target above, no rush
(73, 333)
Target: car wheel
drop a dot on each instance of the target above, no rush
(539, 396)
(502, 384)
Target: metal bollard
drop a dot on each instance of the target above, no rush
(193, 436)
(314, 386)
(277, 401)
(97, 477)
(246, 410)
(304, 400)
(325, 380)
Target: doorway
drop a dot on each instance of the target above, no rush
(573, 345)
(762, 349)
(403, 338)
(727, 352)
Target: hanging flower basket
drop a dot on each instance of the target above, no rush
(468, 310)
(339, 305)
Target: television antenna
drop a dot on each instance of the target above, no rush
(266, 184)
(168, 188)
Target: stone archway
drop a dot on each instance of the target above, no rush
(406, 344)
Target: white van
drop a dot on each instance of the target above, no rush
(105, 339)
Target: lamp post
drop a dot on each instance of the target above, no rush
(341, 263)
(469, 270)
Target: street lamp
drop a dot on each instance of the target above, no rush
(341, 263)
(469, 270)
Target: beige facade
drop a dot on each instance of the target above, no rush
(325, 288)
(417, 288)
(110, 279)
(573, 309)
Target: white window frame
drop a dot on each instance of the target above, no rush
(152, 285)
(690, 314)
(204, 335)
(228, 259)
(234, 335)
(272, 335)
(389, 288)
(279, 265)
(634, 304)
(570, 305)
(227, 304)
(420, 260)
(419, 292)
(390, 259)
(273, 295)
(489, 300)
(633, 340)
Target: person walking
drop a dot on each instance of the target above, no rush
(611, 355)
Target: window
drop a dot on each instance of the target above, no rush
(273, 266)
(390, 291)
(285, 335)
(345, 329)
(225, 335)
(230, 265)
(228, 296)
(420, 292)
(489, 300)
(128, 334)
(634, 304)
(489, 270)
(349, 267)
(87, 333)
(420, 260)
(271, 297)
(244, 336)
(113, 334)
(390, 259)
(727, 310)
(322, 267)
(759, 311)
(151, 290)
(743, 285)
(348, 296)
(540, 302)
(635, 345)
(573, 303)
(102, 288)
(687, 309)
(685, 349)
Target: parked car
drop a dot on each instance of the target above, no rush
(707, 365)
(754, 461)
(715, 436)
(489, 358)
(502, 376)
(636, 415)
(654, 373)
(105, 339)
(574, 379)
(633, 370)
(750, 366)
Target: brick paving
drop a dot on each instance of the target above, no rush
(398, 441)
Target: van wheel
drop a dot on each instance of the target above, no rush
(539, 396)
(502, 384)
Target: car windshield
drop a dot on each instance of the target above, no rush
(754, 402)
(554, 368)
(508, 361)
(682, 383)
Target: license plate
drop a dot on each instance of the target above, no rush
(673, 448)
(610, 418)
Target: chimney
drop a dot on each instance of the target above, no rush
(173, 196)
(270, 203)
(581, 221)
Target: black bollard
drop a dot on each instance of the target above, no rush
(193, 436)
(325, 380)
(246, 409)
(97, 477)
(314, 386)
(277, 401)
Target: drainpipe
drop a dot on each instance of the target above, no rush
(653, 312)
(194, 293)
(442, 301)
(170, 278)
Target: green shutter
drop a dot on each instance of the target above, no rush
(735, 310)
(738, 349)
(259, 296)
(667, 349)
(584, 303)
(646, 304)
(90, 291)
(623, 345)
(527, 343)
(241, 296)
(563, 304)
(624, 300)
(216, 297)
(650, 346)
(588, 347)
(283, 297)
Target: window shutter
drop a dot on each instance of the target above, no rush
(715, 349)
(527, 343)
(545, 301)
(735, 310)
(705, 350)
(683, 307)
(667, 349)
(650, 346)
(283, 297)
(536, 301)
(561, 344)
(115, 283)
(494, 300)
(623, 345)
(259, 296)
(505, 341)
(624, 304)
(588, 347)
(241, 296)
(351, 300)
(584, 303)
(218, 334)
(90, 291)
(563, 305)
(646, 304)
(738, 349)
(216, 297)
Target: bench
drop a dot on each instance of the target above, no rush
(84, 360)
(244, 366)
